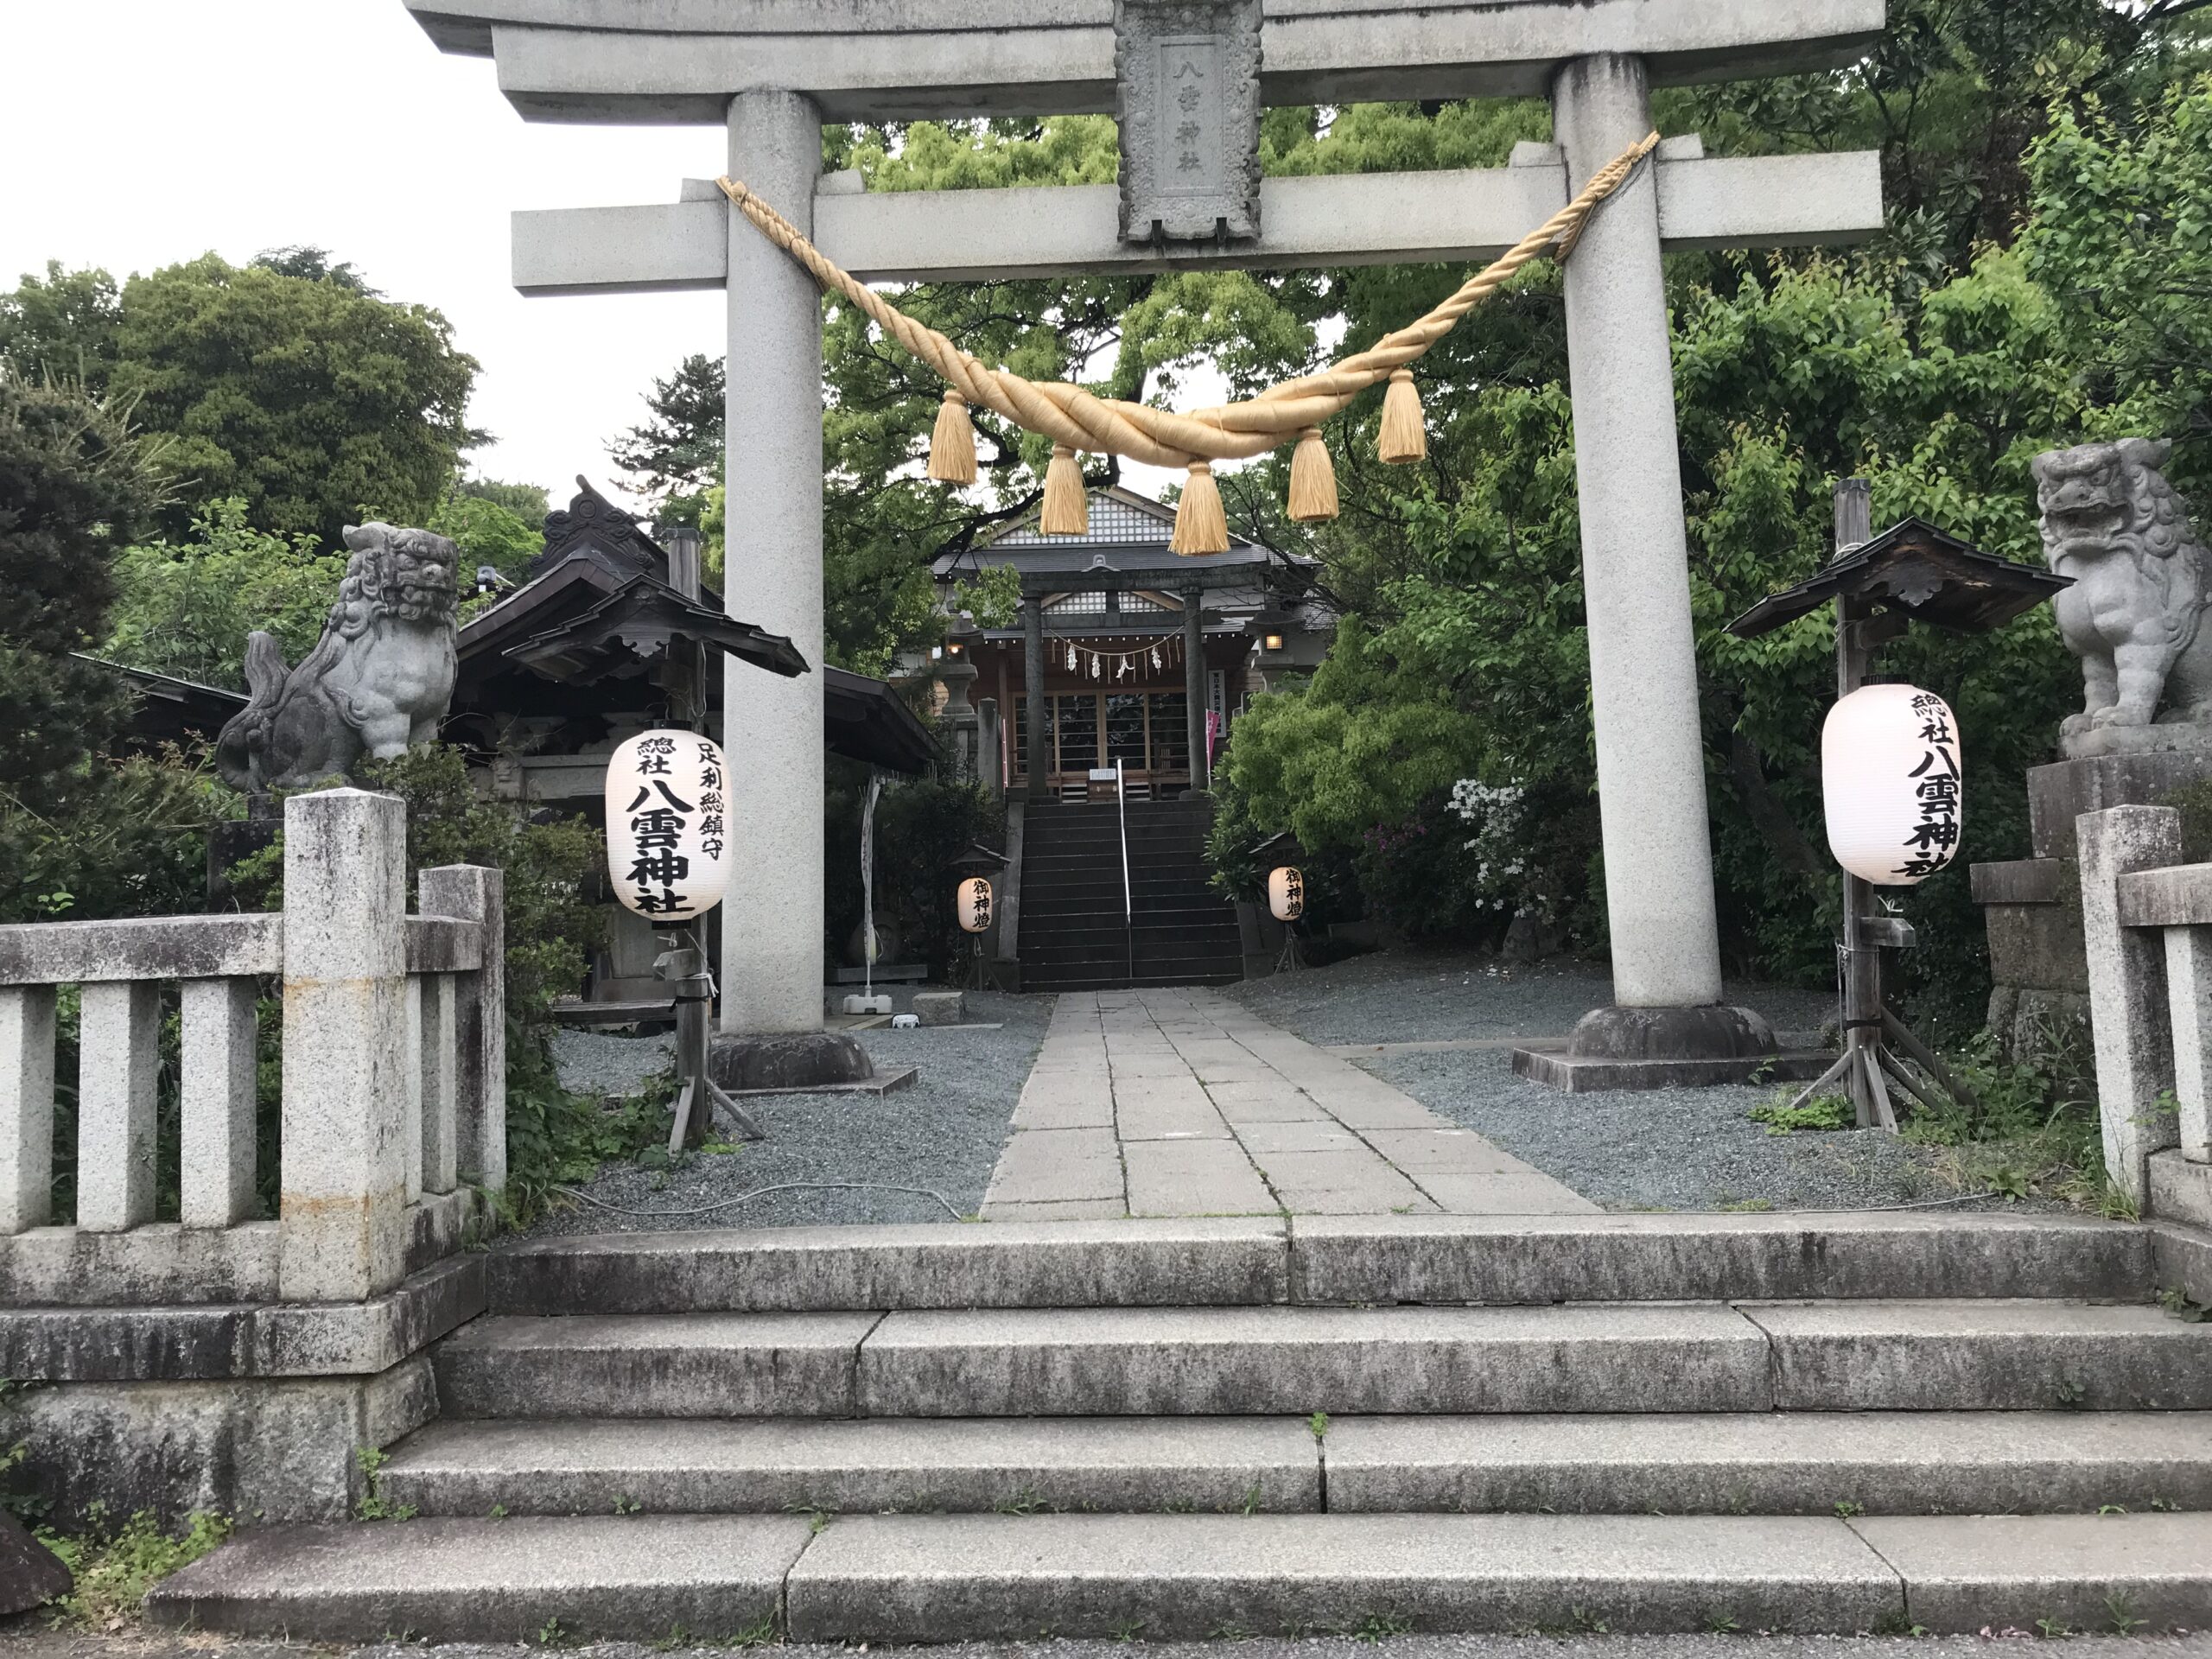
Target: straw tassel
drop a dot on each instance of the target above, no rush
(1067, 504)
(1201, 524)
(1404, 439)
(1313, 479)
(952, 446)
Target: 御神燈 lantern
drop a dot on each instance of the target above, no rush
(974, 905)
(1286, 893)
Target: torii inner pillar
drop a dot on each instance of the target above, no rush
(773, 70)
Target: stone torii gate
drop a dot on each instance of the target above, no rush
(772, 72)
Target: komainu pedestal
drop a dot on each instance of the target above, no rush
(2134, 615)
(2033, 906)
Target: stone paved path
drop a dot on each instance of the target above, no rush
(1183, 1103)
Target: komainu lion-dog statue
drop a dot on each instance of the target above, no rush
(378, 680)
(2134, 613)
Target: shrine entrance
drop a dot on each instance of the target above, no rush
(1191, 195)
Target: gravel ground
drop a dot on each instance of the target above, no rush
(1418, 996)
(1663, 1148)
(941, 1133)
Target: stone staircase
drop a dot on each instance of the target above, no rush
(1081, 931)
(1212, 1427)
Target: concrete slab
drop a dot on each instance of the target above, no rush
(955, 1465)
(2094, 1574)
(1260, 1102)
(1524, 1193)
(1998, 1355)
(913, 1579)
(636, 1577)
(1772, 1462)
(1123, 1362)
(1463, 1151)
(1066, 1210)
(1194, 1178)
(1049, 1165)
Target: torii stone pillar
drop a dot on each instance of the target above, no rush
(771, 967)
(1666, 945)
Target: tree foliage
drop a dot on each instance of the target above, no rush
(78, 833)
(288, 384)
(185, 608)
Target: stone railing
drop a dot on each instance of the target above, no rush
(393, 1095)
(2146, 920)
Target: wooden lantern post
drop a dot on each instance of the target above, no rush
(1880, 585)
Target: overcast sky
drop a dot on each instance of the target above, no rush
(137, 133)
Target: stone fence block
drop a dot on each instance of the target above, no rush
(476, 894)
(347, 1061)
(2179, 895)
(443, 945)
(2128, 987)
(157, 947)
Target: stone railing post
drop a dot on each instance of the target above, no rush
(990, 757)
(480, 1018)
(347, 1060)
(2127, 989)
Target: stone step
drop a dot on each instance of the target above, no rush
(1140, 1465)
(936, 1578)
(657, 1365)
(1773, 1462)
(1577, 1357)
(2003, 1355)
(714, 1578)
(1379, 1260)
(1198, 1262)
(1905, 1463)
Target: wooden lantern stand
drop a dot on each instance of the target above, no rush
(1880, 586)
(683, 967)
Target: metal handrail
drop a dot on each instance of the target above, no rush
(1128, 902)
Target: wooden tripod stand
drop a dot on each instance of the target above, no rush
(683, 965)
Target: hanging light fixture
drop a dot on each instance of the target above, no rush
(1286, 893)
(1890, 784)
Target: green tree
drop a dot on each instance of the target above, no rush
(677, 456)
(185, 608)
(487, 530)
(290, 385)
(80, 835)
(63, 327)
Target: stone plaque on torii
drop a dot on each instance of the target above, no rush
(772, 71)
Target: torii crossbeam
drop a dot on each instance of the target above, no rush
(772, 71)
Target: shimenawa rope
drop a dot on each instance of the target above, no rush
(1078, 420)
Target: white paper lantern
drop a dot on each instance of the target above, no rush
(1890, 777)
(974, 905)
(1286, 893)
(668, 825)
